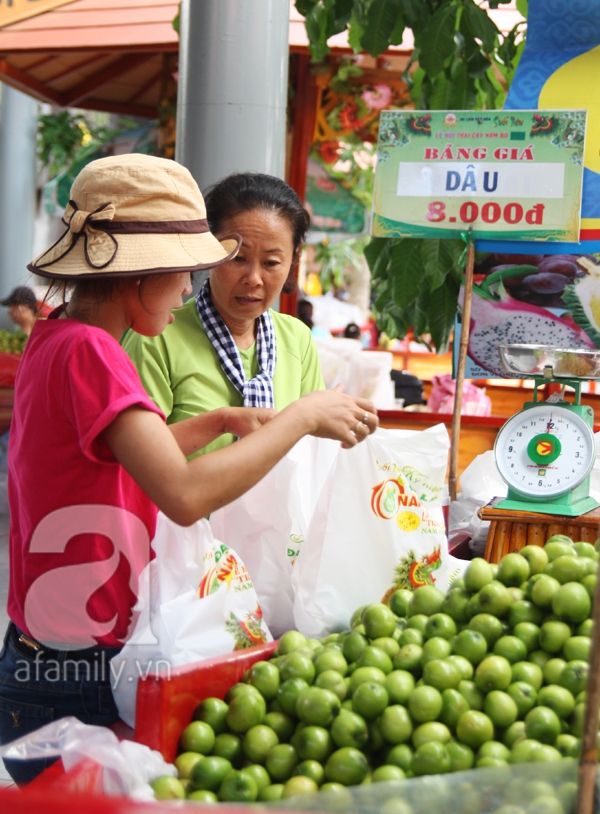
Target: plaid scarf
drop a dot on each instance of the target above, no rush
(258, 392)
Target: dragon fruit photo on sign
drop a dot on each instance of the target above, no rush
(536, 299)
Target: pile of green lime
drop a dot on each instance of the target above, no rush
(491, 674)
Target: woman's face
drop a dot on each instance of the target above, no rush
(152, 301)
(246, 286)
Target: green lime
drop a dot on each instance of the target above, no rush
(399, 601)
(212, 711)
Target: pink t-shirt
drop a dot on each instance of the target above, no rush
(80, 526)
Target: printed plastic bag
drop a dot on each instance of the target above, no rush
(196, 600)
(474, 399)
(378, 525)
(128, 767)
(268, 524)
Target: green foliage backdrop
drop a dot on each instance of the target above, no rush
(457, 62)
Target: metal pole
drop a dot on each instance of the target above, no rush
(18, 124)
(232, 95)
(460, 370)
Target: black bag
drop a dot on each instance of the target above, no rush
(407, 387)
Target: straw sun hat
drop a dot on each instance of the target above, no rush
(130, 215)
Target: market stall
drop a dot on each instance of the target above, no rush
(394, 662)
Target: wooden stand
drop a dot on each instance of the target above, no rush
(510, 531)
(460, 369)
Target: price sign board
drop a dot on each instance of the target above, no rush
(509, 175)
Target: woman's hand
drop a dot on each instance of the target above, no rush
(338, 416)
(241, 421)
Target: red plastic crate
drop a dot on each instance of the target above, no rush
(84, 777)
(165, 703)
(31, 800)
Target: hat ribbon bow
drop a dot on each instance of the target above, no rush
(100, 247)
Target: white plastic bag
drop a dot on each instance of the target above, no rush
(479, 483)
(268, 524)
(196, 600)
(378, 525)
(364, 374)
(128, 767)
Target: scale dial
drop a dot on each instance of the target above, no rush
(545, 451)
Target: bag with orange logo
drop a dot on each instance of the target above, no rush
(378, 525)
(268, 523)
(196, 600)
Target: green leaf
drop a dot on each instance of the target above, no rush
(437, 42)
(420, 311)
(496, 3)
(440, 93)
(415, 83)
(355, 33)
(481, 26)
(477, 65)
(342, 11)
(443, 304)
(486, 93)
(374, 249)
(382, 301)
(320, 24)
(416, 14)
(500, 93)
(398, 31)
(304, 7)
(451, 257)
(406, 269)
(177, 19)
(522, 7)
(435, 262)
(459, 86)
(469, 46)
(381, 20)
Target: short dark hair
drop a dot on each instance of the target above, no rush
(352, 331)
(304, 312)
(248, 191)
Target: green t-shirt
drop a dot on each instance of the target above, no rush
(182, 374)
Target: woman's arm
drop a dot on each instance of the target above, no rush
(197, 432)
(188, 490)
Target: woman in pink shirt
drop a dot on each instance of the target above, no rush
(91, 458)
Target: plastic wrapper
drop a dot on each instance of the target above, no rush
(128, 767)
(474, 399)
(526, 788)
(363, 375)
(480, 482)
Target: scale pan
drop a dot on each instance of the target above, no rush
(531, 360)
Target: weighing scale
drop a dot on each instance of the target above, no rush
(545, 452)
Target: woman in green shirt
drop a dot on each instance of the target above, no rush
(226, 347)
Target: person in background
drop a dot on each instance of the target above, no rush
(352, 331)
(22, 308)
(304, 312)
(226, 346)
